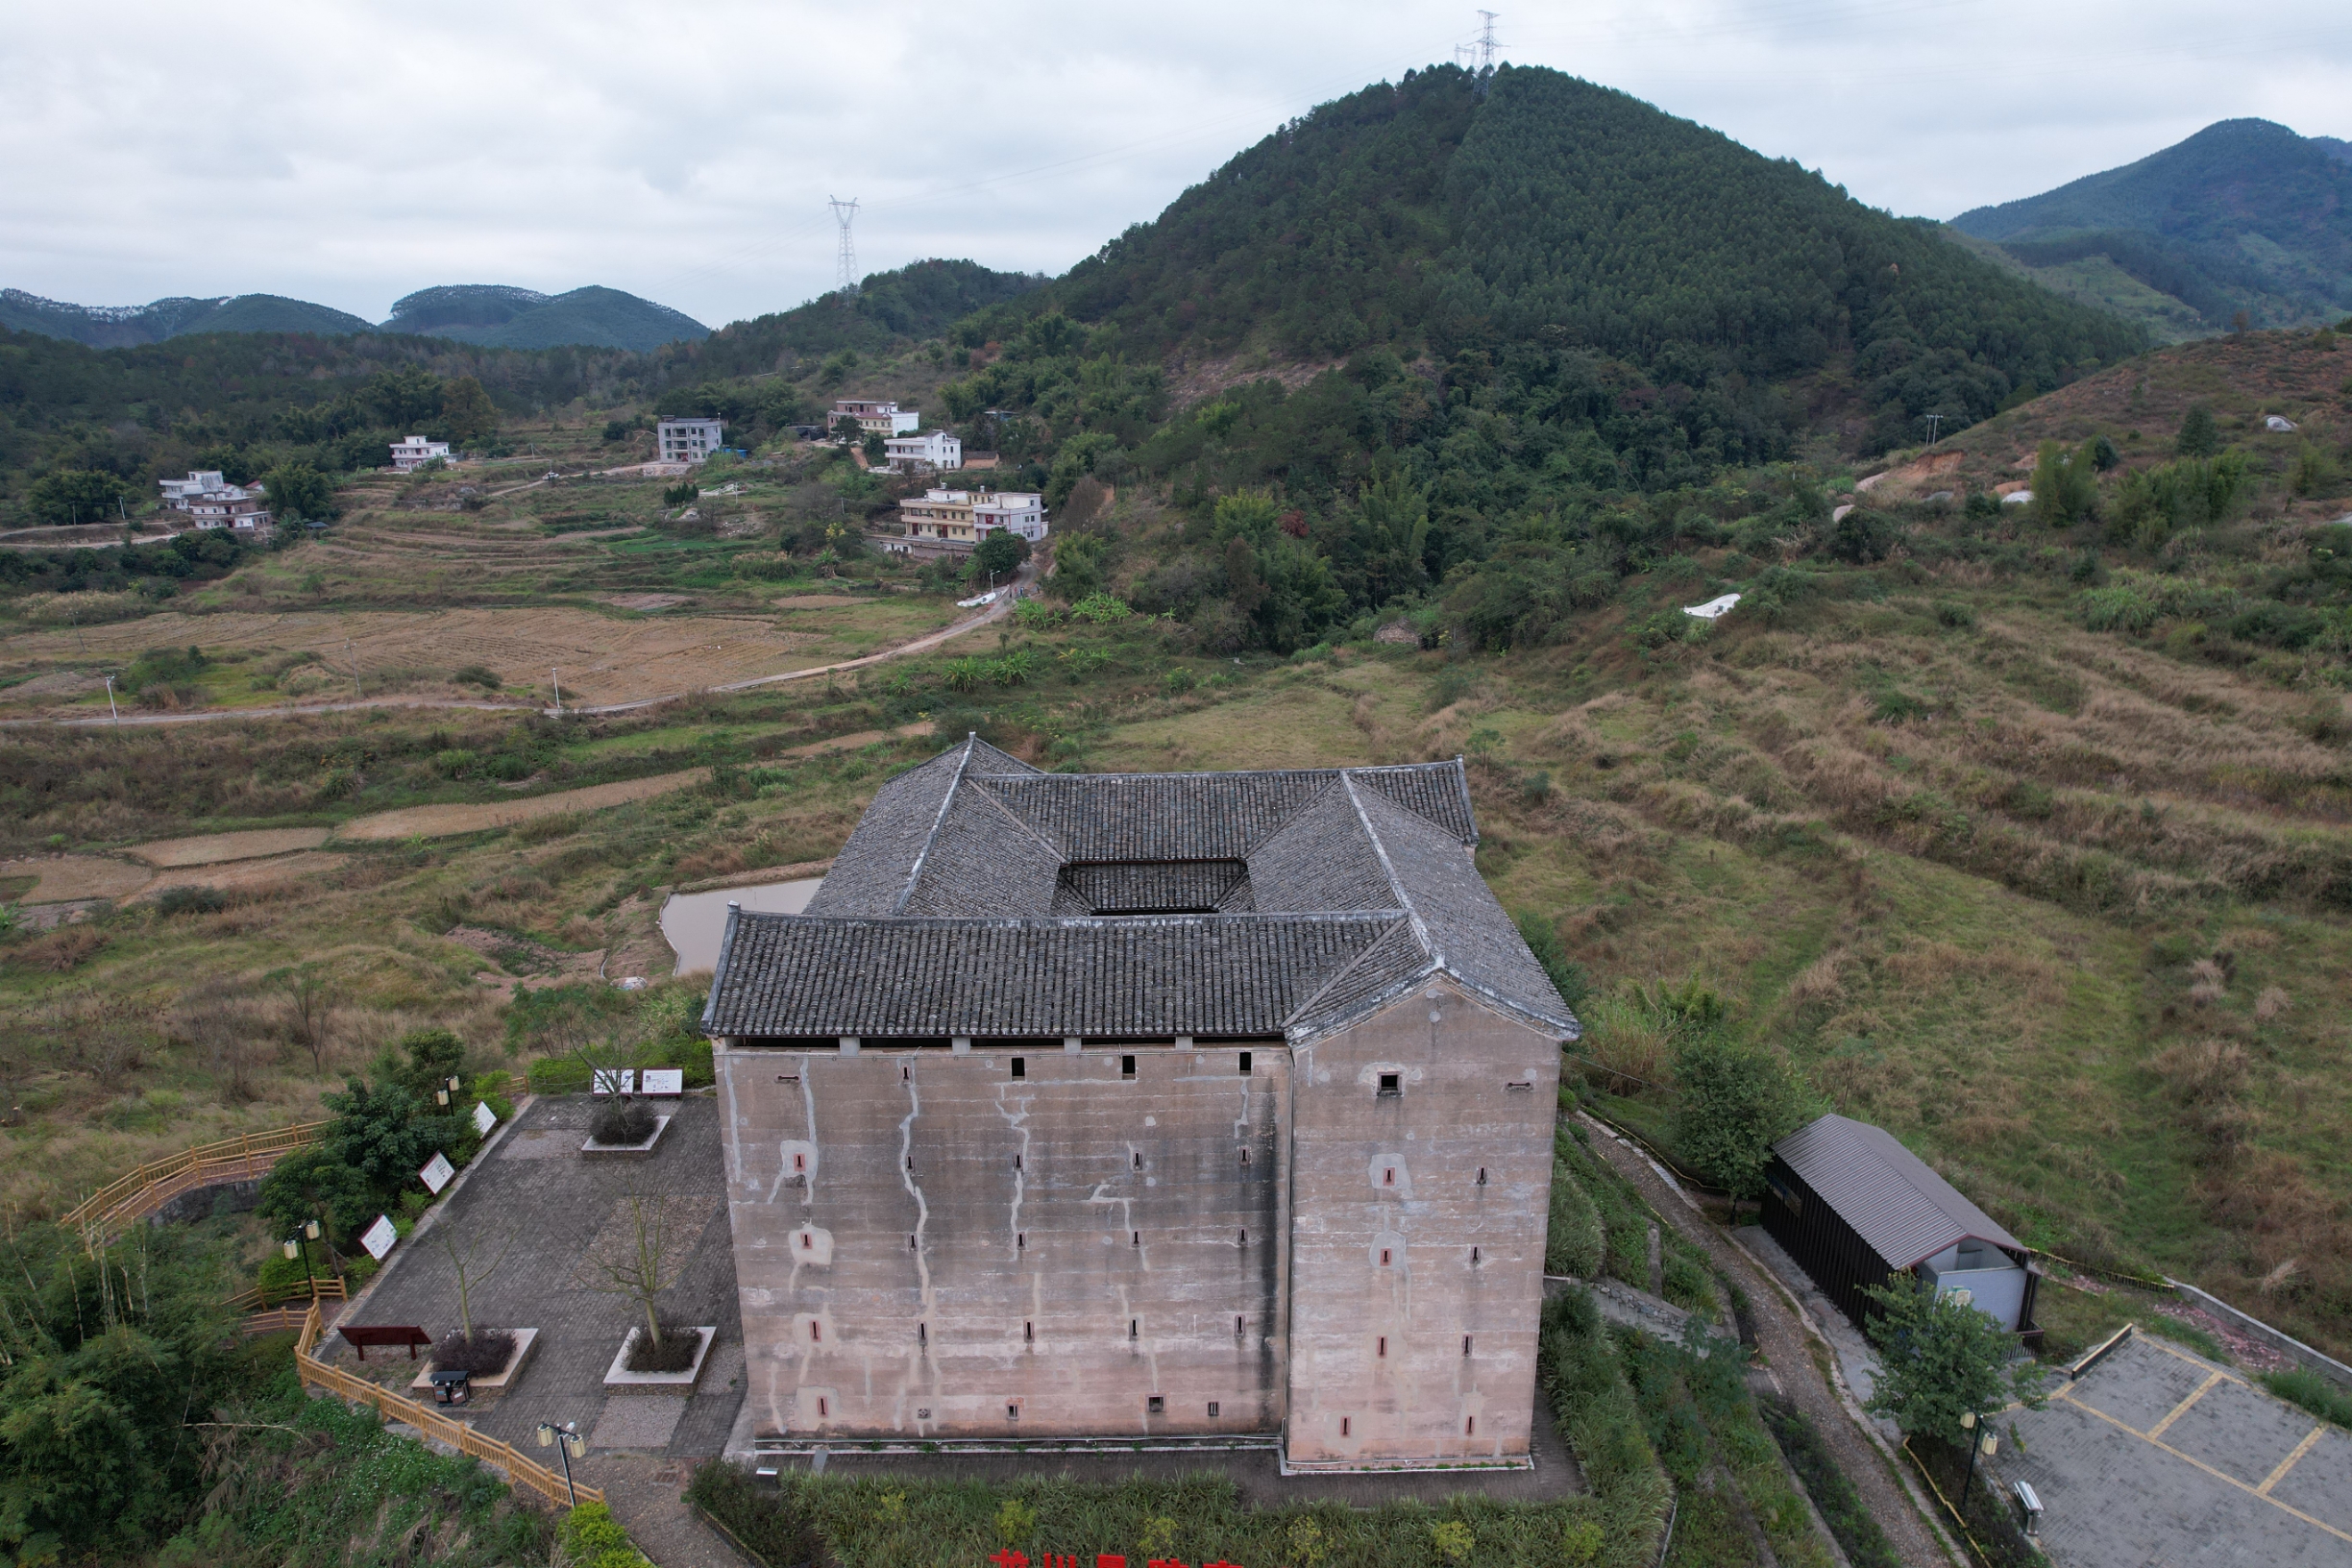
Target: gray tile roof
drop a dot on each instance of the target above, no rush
(979, 896)
(1889, 1195)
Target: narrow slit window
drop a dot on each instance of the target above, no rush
(1469, 1425)
(815, 1332)
(1343, 1425)
(1383, 1350)
(913, 1246)
(1029, 1333)
(1135, 1238)
(808, 1241)
(1482, 1176)
(1017, 1161)
(922, 1333)
(1383, 1257)
(1126, 1067)
(1134, 1328)
(824, 1406)
(800, 1161)
(1020, 1239)
(1465, 1344)
(1245, 1064)
(1138, 1160)
(910, 1162)
(1245, 1157)
(1389, 1176)
(1245, 1238)
(1020, 1069)
(906, 1075)
(1474, 1257)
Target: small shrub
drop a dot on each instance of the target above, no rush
(478, 675)
(592, 1538)
(621, 1121)
(673, 1352)
(192, 902)
(484, 1356)
(2298, 1385)
(1955, 614)
(773, 1525)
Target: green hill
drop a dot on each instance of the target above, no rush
(2243, 216)
(499, 315)
(920, 300)
(124, 327)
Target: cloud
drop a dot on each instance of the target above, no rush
(350, 153)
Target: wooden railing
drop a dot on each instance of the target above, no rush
(260, 1297)
(143, 1190)
(521, 1470)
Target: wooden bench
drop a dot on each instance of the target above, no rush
(383, 1338)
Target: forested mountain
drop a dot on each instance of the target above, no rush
(124, 326)
(920, 300)
(2243, 216)
(501, 315)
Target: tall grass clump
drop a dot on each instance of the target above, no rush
(1574, 1244)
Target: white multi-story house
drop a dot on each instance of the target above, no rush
(243, 508)
(416, 452)
(687, 440)
(923, 451)
(1011, 510)
(885, 418)
(177, 493)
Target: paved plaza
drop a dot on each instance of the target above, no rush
(534, 1183)
(2159, 1457)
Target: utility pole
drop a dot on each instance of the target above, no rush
(1487, 47)
(110, 707)
(556, 676)
(353, 659)
(844, 214)
(1933, 419)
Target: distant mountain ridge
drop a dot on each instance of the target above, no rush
(491, 314)
(2243, 216)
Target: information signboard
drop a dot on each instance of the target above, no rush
(664, 1081)
(485, 1118)
(436, 1173)
(380, 1237)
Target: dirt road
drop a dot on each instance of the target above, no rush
(1788, 1347)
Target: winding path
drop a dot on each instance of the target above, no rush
(1023, 580)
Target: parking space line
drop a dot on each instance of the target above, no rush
(2182, 1408)
(2288, 1462)
(2218, 1475)
(2197, 1361)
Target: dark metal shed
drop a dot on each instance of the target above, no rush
(1853, 1206)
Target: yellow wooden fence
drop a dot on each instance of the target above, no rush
(521, 1470)
(145, 1188)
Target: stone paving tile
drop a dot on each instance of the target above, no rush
(2113, 1499)
(2321, 1484)
(639, 1421)
(557, 1206)
(2239, 1431)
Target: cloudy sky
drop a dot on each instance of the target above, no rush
(348, 152)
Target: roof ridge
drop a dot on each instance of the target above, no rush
(1306, 1005)
(1248, 851)
(1062, 857)
(1396, 883)
(947, 799)
(1304, 917)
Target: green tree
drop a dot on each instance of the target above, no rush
(876, 448)
(298, 491)
(435, 1056)
(2200, 436)
(2065, 485)
(1941, 1360)
(314, 1183)
(1542, 938)
(1734, 1099)
(78, 495)
(1002, 552)
(467, 411)
(1078, 566)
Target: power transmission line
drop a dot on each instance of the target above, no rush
(1487, 47)
(844, 214)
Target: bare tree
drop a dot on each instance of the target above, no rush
(644, 1249)
(305, 988)
(469, 1265)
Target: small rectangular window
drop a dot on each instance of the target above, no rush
(1021, 1067)
(1245, 1064)
(1126, 1067)
(1212, 1404)
(1391, 1083)
(1012, 1412)
(1155, 1404)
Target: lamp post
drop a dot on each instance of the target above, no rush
(572, 1447)
(110, 707)
(1986, 1443)
(298, 1245)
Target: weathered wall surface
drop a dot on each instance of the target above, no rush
(923, 1241)
(1387, 1211)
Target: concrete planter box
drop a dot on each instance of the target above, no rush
(480, 1387)
(592, 1150)
(622, 1381)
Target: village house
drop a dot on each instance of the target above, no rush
(687, 440)
(416, 452)
(177, 493)
(1192, 1107)
(953, 522)
(883, 419)
(925, 452)
(240, 507)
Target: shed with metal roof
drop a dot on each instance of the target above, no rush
(1854, 1208)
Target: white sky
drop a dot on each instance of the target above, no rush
(349, 153)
